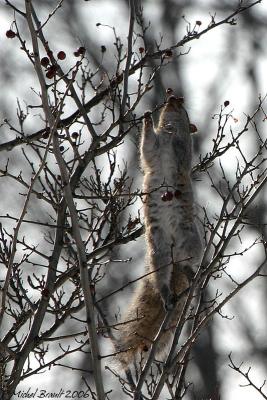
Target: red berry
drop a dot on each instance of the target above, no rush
(226, 103)
(61, 55)
(167, 196)
(75, 135)
(163, 197)
(10, 34)
(82, 50)
(168, 53)
(45, 61)
(141, 50)
(193, 128)
(51, 72)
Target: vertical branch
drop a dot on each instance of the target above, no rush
(85, 282)
(129, 56)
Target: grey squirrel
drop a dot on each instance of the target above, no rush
(173, 242)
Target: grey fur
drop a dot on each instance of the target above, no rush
(172, 236)
(173, 242)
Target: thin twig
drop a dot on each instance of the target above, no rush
(129, 56)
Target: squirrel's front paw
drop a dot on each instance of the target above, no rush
(148, 121)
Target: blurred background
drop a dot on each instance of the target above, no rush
(228, 63)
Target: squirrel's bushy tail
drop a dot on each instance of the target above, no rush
(143, 320)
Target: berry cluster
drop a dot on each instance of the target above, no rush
(51, 68)
(61, 55)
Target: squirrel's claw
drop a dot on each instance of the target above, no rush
(148, 119)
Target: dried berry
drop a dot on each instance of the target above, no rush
(198, 23)
(163, 197)
(168, 53)
(141, 50)
(167, 196)
(103, 49)
(61, 148)
(10, 34)
(51, 72)
(226, 103)
(45, 61)
(61, 55)
(81, 50)
(193, 128)
(75, 135)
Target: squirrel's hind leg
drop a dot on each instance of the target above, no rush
(161, 262)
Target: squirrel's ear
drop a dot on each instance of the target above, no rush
(193, 128)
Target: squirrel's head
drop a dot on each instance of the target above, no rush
(174, 104)
(174, 115)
